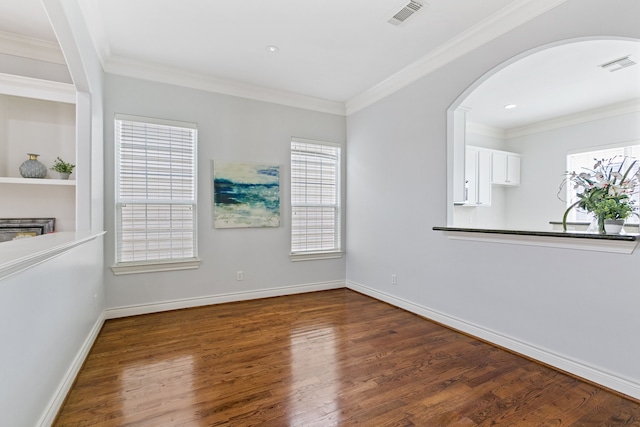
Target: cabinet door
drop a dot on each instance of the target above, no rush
(513, 170)
(499, 168)
(505, 169)
(471, 176)
(484, 178)
(477, 177)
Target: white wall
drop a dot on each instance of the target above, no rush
(46, 315)
(231, 129)
(544, 154)
(37, 69)
(51, 312)
(4, 109)
(569, 307)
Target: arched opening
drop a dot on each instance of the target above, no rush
(506, 163)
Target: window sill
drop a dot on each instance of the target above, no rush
(311, 256)
(153, 267)
(613, 243)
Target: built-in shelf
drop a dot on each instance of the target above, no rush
(35, 181)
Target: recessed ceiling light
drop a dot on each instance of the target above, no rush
(272, 49)
(510, 106)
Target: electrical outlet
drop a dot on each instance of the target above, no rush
(239, 275)
(394, 279)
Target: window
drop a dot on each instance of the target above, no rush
(315, 200)
(155, 195)
(580, 161)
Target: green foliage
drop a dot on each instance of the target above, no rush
(61, 166)
(613, 208)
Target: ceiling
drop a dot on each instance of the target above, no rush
(329, 49)
(556, 82)
(27, 18)
(332, 50)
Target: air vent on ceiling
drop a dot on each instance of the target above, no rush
(403, 14)
(618, 64)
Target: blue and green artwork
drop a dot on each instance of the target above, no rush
(246, 195)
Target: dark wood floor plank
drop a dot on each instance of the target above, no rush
(334, 358)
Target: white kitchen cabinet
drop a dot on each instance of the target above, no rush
(477, 177)
(505, 169)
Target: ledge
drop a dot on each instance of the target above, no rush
(33, 181)
(20, 255)
(154, 267)
(614, 243)
(312, 256)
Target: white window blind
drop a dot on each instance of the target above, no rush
(315, 197)
(579, 162)
(155, 190)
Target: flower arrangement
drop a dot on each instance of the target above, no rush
(605, 190)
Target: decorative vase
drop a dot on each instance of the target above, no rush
(596, 225)
(64, 175)
(613, 226)
(32, 168)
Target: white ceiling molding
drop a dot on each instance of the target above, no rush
(26, 47)
(486, 130)
(162, 74)
(36, 88)
(510, 17)
(575, 119)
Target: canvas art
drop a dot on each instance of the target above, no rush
(246, 195)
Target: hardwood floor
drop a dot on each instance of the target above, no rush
(334, 358)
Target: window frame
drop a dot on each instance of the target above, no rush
(318, 254)
(164, 264)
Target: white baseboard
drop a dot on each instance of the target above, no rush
(134, 310)
(49, 415)
(558, 361)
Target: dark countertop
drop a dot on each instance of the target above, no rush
(562, 234)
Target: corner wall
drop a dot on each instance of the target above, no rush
(575, 309)
(230, 129)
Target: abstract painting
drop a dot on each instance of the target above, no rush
(246, 195)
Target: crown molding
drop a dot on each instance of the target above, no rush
(35, 88)
(486, 130)
(515, 14)
(632, 106)
(162, 74)
(27, 47)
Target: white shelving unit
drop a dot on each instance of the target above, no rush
(34, 181)
(44, 123)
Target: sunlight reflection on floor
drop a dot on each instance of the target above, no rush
(171, 380)
(314, 388)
